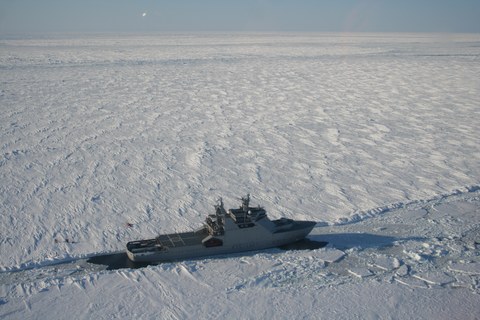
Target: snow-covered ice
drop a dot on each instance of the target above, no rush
(106, 139)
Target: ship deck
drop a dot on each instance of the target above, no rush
(172, 240)
(184, 239)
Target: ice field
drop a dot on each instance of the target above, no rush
(112, 138)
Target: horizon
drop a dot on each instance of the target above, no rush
(30, 17)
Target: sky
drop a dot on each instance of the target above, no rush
(57, 16)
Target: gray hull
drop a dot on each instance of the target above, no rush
(301, 230)
(236, 230)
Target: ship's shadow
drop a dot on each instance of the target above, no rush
(304, 244)
(343, 241)
(354, 240)
(116, 261)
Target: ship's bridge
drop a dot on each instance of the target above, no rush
(245, 216)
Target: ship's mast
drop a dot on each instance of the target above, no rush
(246, 202)
(219, 209)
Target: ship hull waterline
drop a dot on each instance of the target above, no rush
(199, 250)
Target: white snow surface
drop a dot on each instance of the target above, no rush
(107, 139)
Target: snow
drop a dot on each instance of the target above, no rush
(360, 272)
(440, 278)
(331, 255)
(106, 139)
(472, 268)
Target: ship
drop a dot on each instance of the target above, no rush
(224, 232)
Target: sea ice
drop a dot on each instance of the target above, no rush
(434, 277)
(360, 272)
(330, 255)
(109, 138)
(469, 268)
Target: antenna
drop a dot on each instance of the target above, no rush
(219, 209)
(245, 202)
